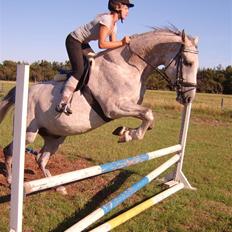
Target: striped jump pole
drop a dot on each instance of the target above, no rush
(113, 223)
(97, 214)
(53, 181)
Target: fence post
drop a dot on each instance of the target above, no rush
(222, 104)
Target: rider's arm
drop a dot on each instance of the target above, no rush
(104, 33)
(113, 37)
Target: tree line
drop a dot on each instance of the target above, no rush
(210, 80)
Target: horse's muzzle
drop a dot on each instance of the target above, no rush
(186, 95)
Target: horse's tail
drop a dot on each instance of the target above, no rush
(6, 103)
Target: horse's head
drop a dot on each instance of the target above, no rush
(182, 68)
(177, 52)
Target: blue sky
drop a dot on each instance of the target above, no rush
(35, 30)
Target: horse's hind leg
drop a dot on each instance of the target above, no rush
(8, 151)
(51, 145)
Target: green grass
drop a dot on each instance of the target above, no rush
(207, 166)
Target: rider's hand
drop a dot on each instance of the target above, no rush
(126, 40)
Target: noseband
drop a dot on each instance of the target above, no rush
(180, 82)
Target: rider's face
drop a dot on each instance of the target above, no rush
(124, 11)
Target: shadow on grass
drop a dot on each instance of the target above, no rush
(2, 169)
(4, 199)
(95, 202)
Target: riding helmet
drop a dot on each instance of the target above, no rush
(113, 3)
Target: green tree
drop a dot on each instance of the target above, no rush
(227, 83)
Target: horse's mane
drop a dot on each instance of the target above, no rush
(168, 29)
(172, 30)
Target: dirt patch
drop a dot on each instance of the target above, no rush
(209, 121)
(218, 206)
(59, 164)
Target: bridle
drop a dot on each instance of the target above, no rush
(179, 82)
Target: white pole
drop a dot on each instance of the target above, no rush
(16, 203)
(179, 175)
(184, 131)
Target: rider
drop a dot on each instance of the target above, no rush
(104, 26)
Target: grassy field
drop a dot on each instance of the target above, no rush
(207, 166)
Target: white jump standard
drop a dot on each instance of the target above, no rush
(16, 211)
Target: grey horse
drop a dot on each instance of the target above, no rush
(117, 82)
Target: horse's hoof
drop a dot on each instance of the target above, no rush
(126, 137)
(62, 190)
(119, 131)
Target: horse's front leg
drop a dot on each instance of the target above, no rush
(128, 109)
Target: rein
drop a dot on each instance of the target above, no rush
(179, 77)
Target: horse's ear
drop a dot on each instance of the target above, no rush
(196, 40)
(183, 36)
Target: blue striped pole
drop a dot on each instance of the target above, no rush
(50, 182)
(120, 219)
(100, 212)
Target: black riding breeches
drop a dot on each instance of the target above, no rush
(75, 54)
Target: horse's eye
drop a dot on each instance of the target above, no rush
(187, 63)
